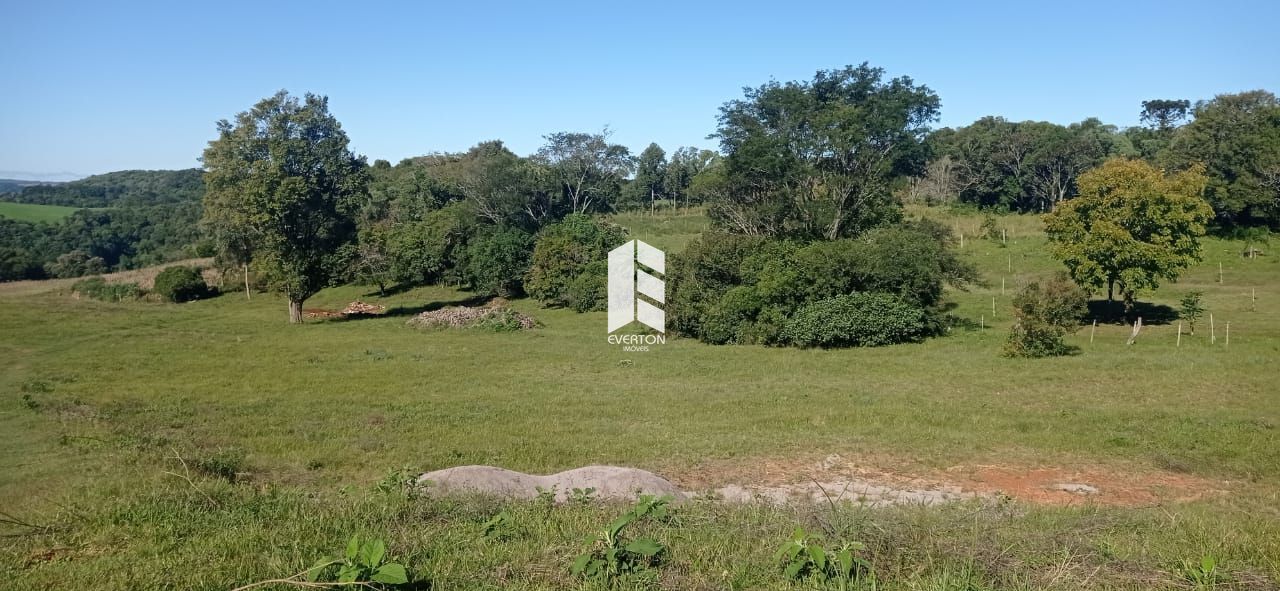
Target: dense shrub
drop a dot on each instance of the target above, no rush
(1044, 313)
(743, 289)
(856, 320)
(496, 263)
(913, 260)
(700, 276)
(97, 288)
(181, 284)
(569, 265)
(430, 249)
(590, 289)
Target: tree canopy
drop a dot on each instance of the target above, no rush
(283, 174)
(1023, 166)
(1237, 138)
(816, 159)
(1131, 227)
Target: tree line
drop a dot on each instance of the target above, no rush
(1033, 166)
(807, 172)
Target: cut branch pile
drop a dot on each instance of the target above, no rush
(358, 307)
(466, 317)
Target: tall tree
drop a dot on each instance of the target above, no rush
(1237, 137)
(651, 172)
(283, 173)
(1062, 154)
(816, 159)
(1130, 227)
(685, 165)
(1027, 165)
(504, 188)
(588, 169)
(1164, 114)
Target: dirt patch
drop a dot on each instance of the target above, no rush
(1068, 486)
(888, 480)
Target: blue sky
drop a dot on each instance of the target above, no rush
(90, 88)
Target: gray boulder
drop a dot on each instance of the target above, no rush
(609, 482)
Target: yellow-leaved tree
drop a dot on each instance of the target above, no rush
(1130, 227)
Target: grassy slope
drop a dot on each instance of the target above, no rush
(322, 412)
(30, 212)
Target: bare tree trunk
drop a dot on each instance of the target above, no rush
(247, 294)
(295, 311)
(1111, 299)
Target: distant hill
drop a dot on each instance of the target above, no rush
(116, 189)
(16, 185)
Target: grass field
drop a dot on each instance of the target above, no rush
(31, 212)
(99, 399)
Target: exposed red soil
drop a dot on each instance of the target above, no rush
(1115, 485)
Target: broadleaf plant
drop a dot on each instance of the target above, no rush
(611, 555)
(804, 556)
(362, 562)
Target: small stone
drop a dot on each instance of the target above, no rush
(1075, 488)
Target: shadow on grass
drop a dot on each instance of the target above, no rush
(1113, 313)
(399, 311)
(390, 291)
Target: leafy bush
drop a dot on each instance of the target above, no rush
(97, 288)
(1044, 313)
(700, 276)
(856, 320)
(913, 260)
(430, 249)
(732, 319)
(743, 289)
(181, 284)
(589, 291)
(496, 263)
(569, 267)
